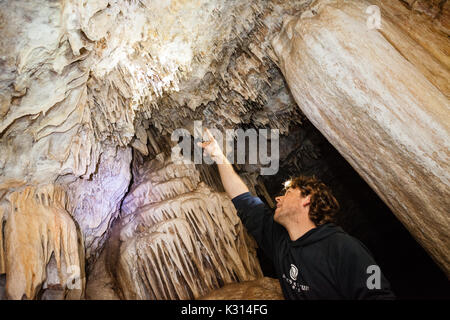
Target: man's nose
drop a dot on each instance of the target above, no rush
(278, 199)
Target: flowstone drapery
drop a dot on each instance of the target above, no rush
(42, 247)
(88, 86)
(180, 240)
(381, 98)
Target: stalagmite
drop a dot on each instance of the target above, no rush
(382, 104)
(42, 245)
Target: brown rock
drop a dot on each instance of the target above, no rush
(43, 247)
(261, 289)
(380, 108)
(178, 239)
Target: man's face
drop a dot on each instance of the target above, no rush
(289, 206)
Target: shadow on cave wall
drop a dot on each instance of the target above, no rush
(410, 270)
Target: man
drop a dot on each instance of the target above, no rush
(313, 258)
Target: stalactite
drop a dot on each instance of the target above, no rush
(82, 78)
(180, 243)
(93, 87)
(169, 262)
(381, 102)
(38, 227)
(162, 183)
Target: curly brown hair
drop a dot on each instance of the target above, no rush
(324, 205)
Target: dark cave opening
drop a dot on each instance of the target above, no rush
(410, 270)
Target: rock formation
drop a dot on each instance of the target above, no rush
(178, 239)
(382, 104)
(90, 92)
(261, 289)
(42, 246)
(95, 202)
(81, 75)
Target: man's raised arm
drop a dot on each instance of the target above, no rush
(254, 214)
(231, 181)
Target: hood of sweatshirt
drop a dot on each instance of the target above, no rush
(317, 234)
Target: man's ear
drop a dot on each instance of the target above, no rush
(306, 200)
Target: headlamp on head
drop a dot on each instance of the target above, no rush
(287, 184)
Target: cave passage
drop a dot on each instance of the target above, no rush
(97, 96)
(410, 270)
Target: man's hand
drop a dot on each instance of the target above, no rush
(231, 181)
(212, 148)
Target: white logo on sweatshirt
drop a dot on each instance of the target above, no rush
(293, 272)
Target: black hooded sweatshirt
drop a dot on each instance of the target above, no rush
(324, 263)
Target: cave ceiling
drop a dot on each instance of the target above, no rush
(91, 90)
(79, 75)
(85, 85)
